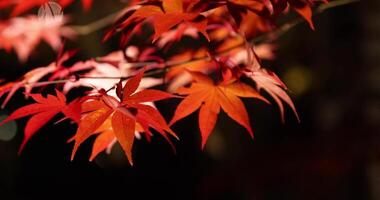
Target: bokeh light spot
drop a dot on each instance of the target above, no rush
(8, 130)
(298, 79)
(215, 146)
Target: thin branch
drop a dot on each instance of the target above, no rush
(45, 83)
(169, 64)
(96, 25)
(76, 78)
(334, 4)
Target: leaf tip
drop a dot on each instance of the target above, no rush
(74, 152)
(91, 158)
(22, 146)
(130, 159)
(21, 149)
(250, 131)
(203, 144)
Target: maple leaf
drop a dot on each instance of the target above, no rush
(274, 7)
(253, 25)
(31, 78)
(125, 114)
(302, 7)
(164, 15)
(43, 111)
(105, 139)
(306, 12)
(27, 81)
(266, 80)
(237, 8)
(23, 34)
(270, 82)
(174, 13)
(209, 97)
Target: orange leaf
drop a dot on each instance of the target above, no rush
(88, 125)
(207, 116)
(101, 143)
(189, 105)
(124, 130)
(234, 108)
(210, 98)
(164, 15)
(306, 13)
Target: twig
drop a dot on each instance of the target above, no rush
(334, 4)
(96, 25)
(45, 83)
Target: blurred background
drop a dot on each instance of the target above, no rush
(333, 74)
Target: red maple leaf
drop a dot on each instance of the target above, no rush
(43, 111)
(164, 15)
(125, 115)
(31, 79)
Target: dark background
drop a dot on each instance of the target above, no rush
(334, 78)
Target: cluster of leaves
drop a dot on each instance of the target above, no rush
(213, 74)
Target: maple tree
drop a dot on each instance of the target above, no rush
(222, 65)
